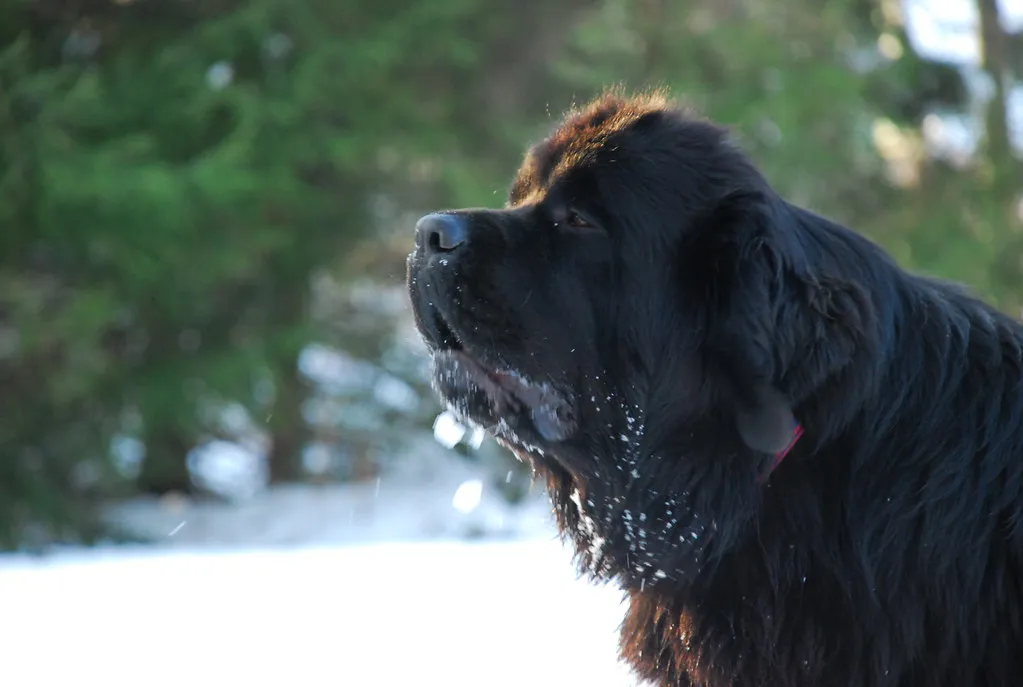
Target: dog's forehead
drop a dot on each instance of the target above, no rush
(579, 138)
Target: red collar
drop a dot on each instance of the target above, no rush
(797, 432)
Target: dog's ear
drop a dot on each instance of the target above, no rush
(763, 413)
(733, 267)
(766, 422)
(773, 333)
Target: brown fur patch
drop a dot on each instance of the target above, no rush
(583, 133)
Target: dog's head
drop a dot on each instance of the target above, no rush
(640, 323)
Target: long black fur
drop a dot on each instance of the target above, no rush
(690, 316)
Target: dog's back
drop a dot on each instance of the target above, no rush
(897, 524)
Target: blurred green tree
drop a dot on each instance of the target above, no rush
(960, 217)
(172, 177)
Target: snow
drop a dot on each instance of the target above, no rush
(467, 496)
(425, 575)
(949, 32)
(427, 494)
(944, 31)
(446, 613)
(447, 430)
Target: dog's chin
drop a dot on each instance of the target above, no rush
(657, 542)
(641, 543)
(520, 411)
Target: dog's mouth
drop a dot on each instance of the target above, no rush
(497, 397)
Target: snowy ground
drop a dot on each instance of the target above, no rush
(452, 614)
(425, 577)
(428, 494)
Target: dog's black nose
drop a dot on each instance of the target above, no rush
(441, 233)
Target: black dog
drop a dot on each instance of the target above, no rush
(803, 464)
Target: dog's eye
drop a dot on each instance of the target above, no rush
(578, 221)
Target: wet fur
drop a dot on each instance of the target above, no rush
(887, 549)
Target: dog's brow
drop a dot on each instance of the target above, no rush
(527, 181)
(588, 132)
(579, 139)
(535, 196)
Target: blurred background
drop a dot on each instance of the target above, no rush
(219, 453)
